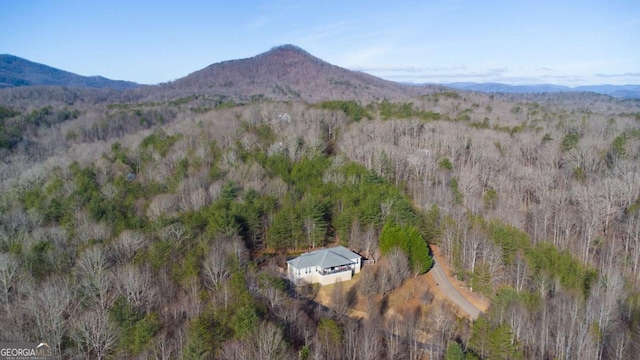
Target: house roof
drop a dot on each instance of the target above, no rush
(325, 258)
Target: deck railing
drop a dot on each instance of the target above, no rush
(336, 270)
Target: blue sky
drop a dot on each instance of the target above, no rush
(515, 42)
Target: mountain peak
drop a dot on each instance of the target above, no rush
(288, 53)
(289, 48)
(289, 72)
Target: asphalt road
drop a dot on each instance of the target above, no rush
(452, 293)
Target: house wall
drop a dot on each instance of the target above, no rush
(306, 274)
(334, 278)
(314, 277)
(357, 266)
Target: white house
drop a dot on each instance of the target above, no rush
(325, 266)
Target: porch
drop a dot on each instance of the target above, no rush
(334, 270)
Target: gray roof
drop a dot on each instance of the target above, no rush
(324, 258)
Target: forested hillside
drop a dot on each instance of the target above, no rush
(288, 72)
(16, 71)
(160, 229)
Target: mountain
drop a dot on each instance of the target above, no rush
(618, 91)
(287, 72)
(16, 71)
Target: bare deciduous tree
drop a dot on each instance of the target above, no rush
(352, 338)
(162, 205)
(395, 345)
(235, 350)
(267, 342)
(368, 285)
(134, 283)
(370, 344)
(217, 266)
(342, 299)
(398, 266)
(51, 306)
(94, 277)
(95, 334)
(165, 346)
(412, 329)
(8, 276)
(442, 320)
(126, 245)
(174, 233)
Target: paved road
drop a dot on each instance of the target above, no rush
(452, 293)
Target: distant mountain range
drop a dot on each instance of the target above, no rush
(16, 71)
(617, 91)
(285, 72)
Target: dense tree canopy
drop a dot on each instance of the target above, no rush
(161, 228)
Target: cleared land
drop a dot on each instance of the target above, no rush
(438, 281)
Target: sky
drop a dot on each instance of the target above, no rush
(514, 42)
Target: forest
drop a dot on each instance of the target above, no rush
(135, 228)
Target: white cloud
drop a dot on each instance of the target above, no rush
(407, 69)
(436, 74)
(625, 75)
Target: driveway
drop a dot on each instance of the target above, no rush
(451, 292)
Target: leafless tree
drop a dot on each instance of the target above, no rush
(95, 280)
(162, 205)
(367, 285)
(632, 244)
(95, 334)
(395, 343)
(385, 282)
(126, 245)
(591, 214)
(8, 276)
(570, 330)
(192, 193)
(304, 326)
(342, 299)
(134, 283)
(239, 251)
(270, 290)
(370, 243)
(602, 305)
(217, 264)
(51, 305)
(442, 320)
(370, 346)
(352, 338)
(355, 236)
(164, 346)
(398, 266)
(267, 342)
(610, 191)
(235, 350)
(175, 233)
(412, 329)
(93, 260)
(519, 272)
